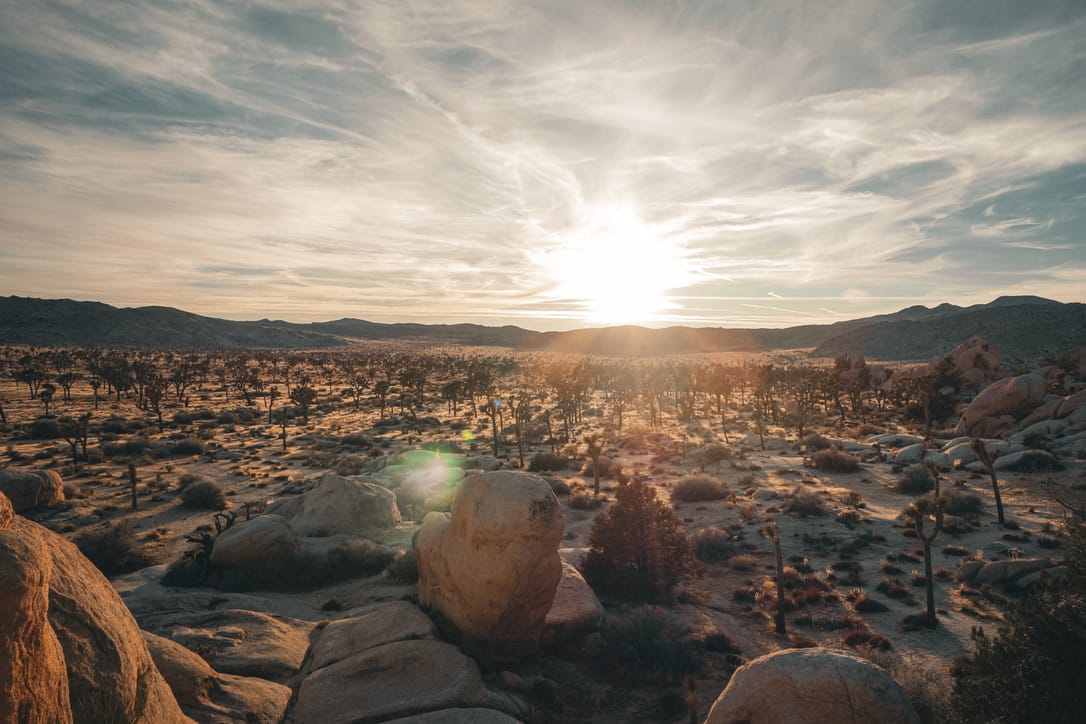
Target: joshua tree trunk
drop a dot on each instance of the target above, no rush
(988, 461)
(770, 531)
(133, 481)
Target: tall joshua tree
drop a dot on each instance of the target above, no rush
(595, 449)
(988, 461)
(770, 532)
(926, 508)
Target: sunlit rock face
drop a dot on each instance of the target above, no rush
(491, 567)
(77, 641)
(816, 685)
(29, 489)
(340, 505)
(1001, 404)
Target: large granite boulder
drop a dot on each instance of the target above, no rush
(812, 685)
(576, 611)
(213, 698)
(491, 566)
(339, 505)
(260, 543)
(386, 663)
(1001, 404)
(976, 360)
(105, 659)
(33, 679)
(29, 489)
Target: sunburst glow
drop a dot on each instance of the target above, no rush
(619, 268)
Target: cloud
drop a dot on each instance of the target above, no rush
(433, 161)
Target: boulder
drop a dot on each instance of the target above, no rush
(1005, 400)
(976, 360)
(339, 505)
(213, 698)
(892, 440)
(967, 572)
(104, 657)
(236, 641)
(29, 489)
(33, 679)
(491, 566)
(486, 463)
(1032, 579)
(7, 513)
(812, 685)
(1045, 429)
(393, 680)
(576, 610)
(1001, 572)
(260, 543)
(911, 454)
(1028, 461)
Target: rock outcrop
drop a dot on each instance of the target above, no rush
(33, 680)
(491, 566)
(815, 684)
(29, 489)
(340, 505)
(260, 543)
(385, 663)
(576, 610)
(1001, 404)
(976, 360)
(89, 655)
(213, 698)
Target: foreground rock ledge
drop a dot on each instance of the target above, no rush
(814, 685)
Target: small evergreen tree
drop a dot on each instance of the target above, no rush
(637, 548)
(1032, 669)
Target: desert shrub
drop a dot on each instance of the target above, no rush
(893, 588)
(114, 549)
(713, 544)
(648, 644)
(637, 548)
(45, 428)
(584, 500)
(188, 446)
(742, 562)
(543, 462)
(964, 504)
(358, 558)
(135, 446)
(115, 425)
(866, 604)
(697, 488)
(915, 480)
(712, 455)
(359, 440)
(351, 465)
(805, 503)
(849, 518)
(404, 567)
(862, 638)
(815, 442)
(183, 417)
(834, 460)
(1031, 670)
(560, 487)
(203, 494)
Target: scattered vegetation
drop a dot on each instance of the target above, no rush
(699, 488)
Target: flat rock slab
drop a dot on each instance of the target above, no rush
(395, 680)
(383, 624)
(459, 716)
(246, 643)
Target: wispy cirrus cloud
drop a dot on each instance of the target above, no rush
(443, 161)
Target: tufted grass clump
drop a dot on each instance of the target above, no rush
(699, 488)
(834, 460)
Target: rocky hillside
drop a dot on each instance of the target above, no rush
(1025, 328)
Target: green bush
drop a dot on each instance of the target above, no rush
(637, 548)
(698, 488)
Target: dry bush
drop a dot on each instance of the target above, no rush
(649, 644)
(114, 549)
(849, 518)
(547, 462)
(815, 442)
(742, 562)
(189, 446)
(404, 567)
(915, 480)
(583, 500)
(805, 503)
(203, 494)
(834, 460)
(863, 603)
(863, 638)
(713, 544)
(698, 488)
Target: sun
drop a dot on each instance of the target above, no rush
(618, 268)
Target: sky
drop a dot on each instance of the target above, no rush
(551, 165)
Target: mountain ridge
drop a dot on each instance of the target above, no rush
(1025, 327)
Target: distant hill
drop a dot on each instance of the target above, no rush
(1023, 327)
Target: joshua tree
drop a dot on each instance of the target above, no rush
(45, 394)
(303, 397)
(769, 530)
(75, 434)
(269, 400)
(988, 461)
(493, 408)
(282, 418)
(133, 481)
(595, 449)
(154, 390)
(381, 388)
(922, 509)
